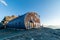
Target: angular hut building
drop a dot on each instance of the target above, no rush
(26, 21)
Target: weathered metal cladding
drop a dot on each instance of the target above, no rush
(17, 23)
(26, 21)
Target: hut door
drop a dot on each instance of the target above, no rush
(30, 24)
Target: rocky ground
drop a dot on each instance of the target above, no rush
(32, 34)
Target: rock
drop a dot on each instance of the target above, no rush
(36, 34)
(7, 19)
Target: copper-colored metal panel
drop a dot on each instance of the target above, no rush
(32, 16)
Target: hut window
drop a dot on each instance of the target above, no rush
(19, 22)
(31, 21)
(16, 23)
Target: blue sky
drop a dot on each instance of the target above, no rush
(49, 10)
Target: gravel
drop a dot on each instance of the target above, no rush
(32, 34)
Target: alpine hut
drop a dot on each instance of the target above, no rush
(26, 21)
